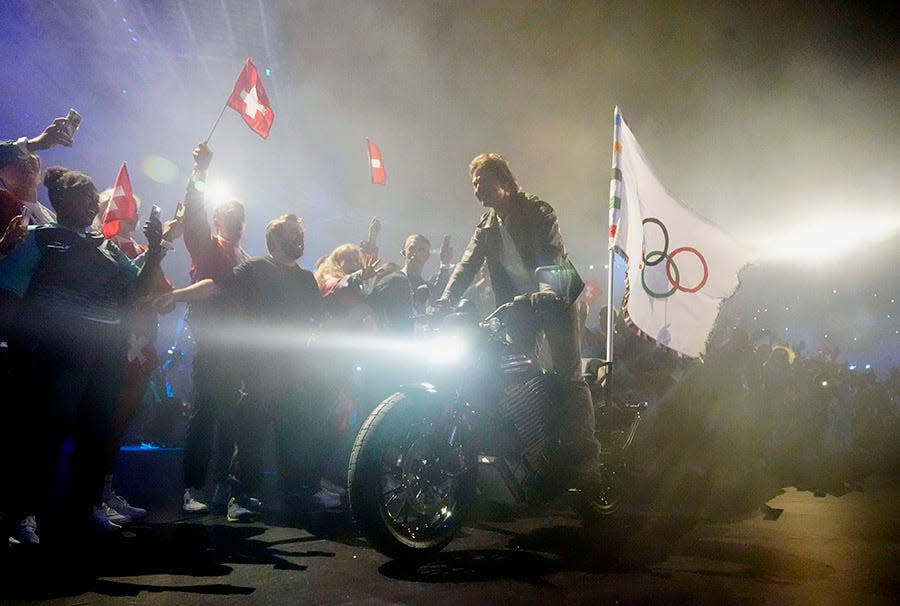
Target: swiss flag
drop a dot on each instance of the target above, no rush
(122, 206)
(375, 164)
(250, 100)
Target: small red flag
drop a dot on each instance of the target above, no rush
(122, 206)
(250, 100)
(375, 164)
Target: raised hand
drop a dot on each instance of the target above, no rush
(371, 266)
(202, 156)
(153, 231)
(56, 133)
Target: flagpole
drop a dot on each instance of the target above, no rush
(221, 113)
(614, 204)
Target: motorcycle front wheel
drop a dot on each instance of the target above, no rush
(411, 478)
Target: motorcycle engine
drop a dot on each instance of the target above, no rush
(531, 437)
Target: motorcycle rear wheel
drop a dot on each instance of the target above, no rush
(411, 481)
(602, 502)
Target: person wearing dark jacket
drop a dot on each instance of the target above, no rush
(68, 346)
(518, 234)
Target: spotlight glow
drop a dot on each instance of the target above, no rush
(817, 240)
(218, 191)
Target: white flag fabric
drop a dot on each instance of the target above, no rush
(680, 267)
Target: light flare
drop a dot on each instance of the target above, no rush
(819, 240)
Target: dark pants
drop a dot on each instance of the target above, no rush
(557, 328)
(294, 404)
(217, 382)
(71, 380)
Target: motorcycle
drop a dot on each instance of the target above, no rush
(414, 466)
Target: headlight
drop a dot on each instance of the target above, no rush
(442, 350)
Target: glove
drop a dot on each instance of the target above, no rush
(544, 299)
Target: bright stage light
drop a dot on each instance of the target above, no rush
(821, 239)
(218, 191)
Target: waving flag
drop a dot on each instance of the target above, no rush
(122, 206)
(680, 267)
(376, 166)
(250, 100)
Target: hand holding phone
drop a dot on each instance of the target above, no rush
(73, 121)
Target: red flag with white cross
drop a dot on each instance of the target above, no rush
(250, 100)
(122, 206)
(376, 166)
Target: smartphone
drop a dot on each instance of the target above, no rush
(26, 217)
(154, 212)
(73, 119)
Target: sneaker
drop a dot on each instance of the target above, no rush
(238, 513)
(327, 498)
(25, 533)
(118, 504)
(191, 503)
(114, 516)
(100, 520)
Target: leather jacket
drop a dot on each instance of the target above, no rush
(534, 229)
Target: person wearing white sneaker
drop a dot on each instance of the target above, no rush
(66, 347)
(273, 291)
(25, 533)
(238, 513)
(114, 516)
(118, 504)
(192, 502)
(215, 249)
(101, 520)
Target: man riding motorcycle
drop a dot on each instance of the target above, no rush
(518, 234)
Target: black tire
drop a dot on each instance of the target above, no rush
(601, 503)
(410, 489)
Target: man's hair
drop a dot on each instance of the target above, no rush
(496, 165)
(228, 206)
(276, 226)
(412, 239)
(10, 157)
(65, 186)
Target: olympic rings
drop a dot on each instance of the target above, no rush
(668, 293)
(665, 233)
(670, 263)
(655, 257)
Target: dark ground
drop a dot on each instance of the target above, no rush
(790, 547)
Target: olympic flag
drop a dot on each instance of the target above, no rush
(680, 267)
